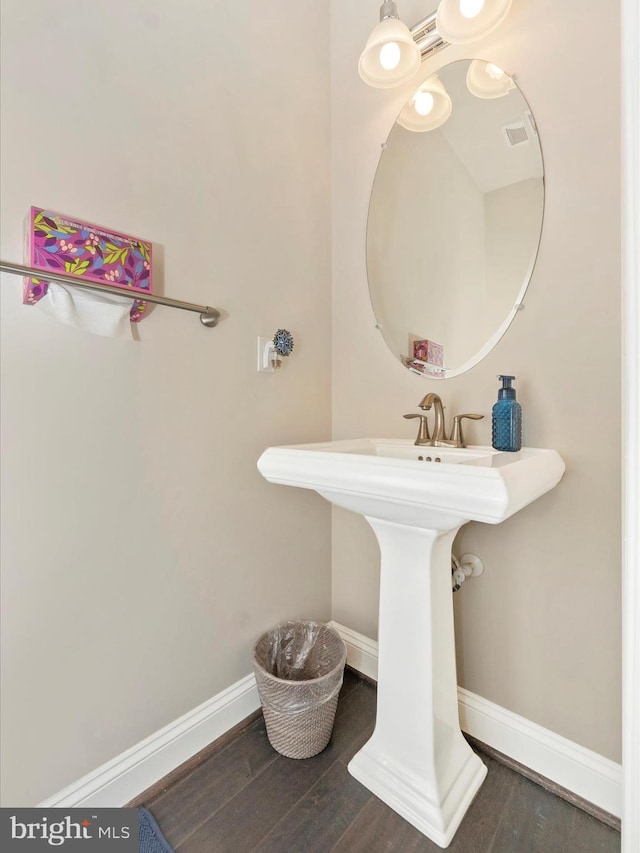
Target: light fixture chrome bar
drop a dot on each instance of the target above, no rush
(208, 316)
(427, 37)
(388, 10)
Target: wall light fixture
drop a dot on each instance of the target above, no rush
(391, 55)
(462, 21)
(393, 52)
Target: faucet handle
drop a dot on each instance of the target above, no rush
(423, 430)
(456, 434)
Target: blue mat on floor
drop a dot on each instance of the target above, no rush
(151, 838)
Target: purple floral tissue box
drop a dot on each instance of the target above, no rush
(68, 246)
(428, 351)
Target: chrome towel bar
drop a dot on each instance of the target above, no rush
(208, 316)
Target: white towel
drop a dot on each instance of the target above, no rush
(99, 313)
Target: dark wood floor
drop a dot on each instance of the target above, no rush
(246, 797)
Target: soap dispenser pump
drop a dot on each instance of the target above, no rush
(506, 422)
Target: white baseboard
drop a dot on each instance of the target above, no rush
(586, 774)
(592, 777)
(362, 652)
(129, 774)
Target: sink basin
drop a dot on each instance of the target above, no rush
(394, 479)
(399, 449)
(416, 499)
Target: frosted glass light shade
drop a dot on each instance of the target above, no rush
(456, 28)
(413, 120)
(370, 67)
(486, 80)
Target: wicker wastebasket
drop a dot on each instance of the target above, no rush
(299, 668)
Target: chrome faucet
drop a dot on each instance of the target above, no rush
(439, 429)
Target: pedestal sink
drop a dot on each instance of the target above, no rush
(416, 499)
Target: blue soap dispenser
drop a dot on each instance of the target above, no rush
(506, 418)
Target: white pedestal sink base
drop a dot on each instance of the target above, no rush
(407, 796)
(417, 760)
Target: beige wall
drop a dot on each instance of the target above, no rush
(142, 552)
(539, 633)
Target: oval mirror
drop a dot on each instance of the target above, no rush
(455, 218)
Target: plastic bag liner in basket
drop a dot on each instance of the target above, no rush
(299, 668)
